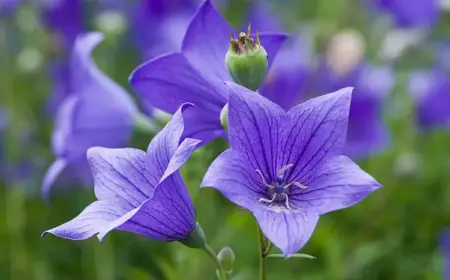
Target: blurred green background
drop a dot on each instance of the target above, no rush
(393, 234)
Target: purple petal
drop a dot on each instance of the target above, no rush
(203, 125)
(165, 154)
(261, 17)
(314, 133)
(230, 174)
(180, 156)
(66, 17)
(430, 91)
(445, 246)
(207, 41)
(272, 43)
(253, 123)
(91, 221)
(287, 77)
(137, 191)
(367, 134)
(98, 113)
(412, 13)
(169, 81)
(167, 216)
(52, 174)
(121, 174)
(339, 184)
(289, 231)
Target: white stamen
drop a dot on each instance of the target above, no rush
(297, 184)
(283, 169)
(264, 180)
(268, 201)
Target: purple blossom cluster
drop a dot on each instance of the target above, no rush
(292, 141)
(285, 162)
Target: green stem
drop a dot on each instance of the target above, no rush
(146, 125)
(263, 250)
(212, 254)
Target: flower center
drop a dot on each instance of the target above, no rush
(277, 193)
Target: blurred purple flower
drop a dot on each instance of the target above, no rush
(430, 89)
(168, 21)
(65, 17)
(411, 13)
(288, 78)
(287, 168)
(137, 191)
(261, 17)
(445, 244)
(196, 74)
(97, 112)
(9, 7)
(367, 134)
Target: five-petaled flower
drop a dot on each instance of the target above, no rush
(137, 191)
(286, 167)
(196, 74)
(96, 112)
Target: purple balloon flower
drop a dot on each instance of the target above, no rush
(430, 89)
(196, 74)
(411, 13)
(97, 112)
(367, 134)
(137, 191)
(286, 167)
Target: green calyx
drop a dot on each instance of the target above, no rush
(196, 238)
(247, 61)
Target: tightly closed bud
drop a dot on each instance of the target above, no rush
(224, 117)
(226, 258)
(247, 60)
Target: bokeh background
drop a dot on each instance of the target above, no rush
(395, 233)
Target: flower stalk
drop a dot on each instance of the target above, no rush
(264, 249)
(221, 272)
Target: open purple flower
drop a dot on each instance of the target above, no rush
(430, 90)
(137, 191)
(411, 13)
(196, 74)
(97, 112)
(286, 167)
(367, 134)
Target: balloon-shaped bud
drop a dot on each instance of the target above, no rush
(226, 258)
(247, 61)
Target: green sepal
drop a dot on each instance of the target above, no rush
(196, 238)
